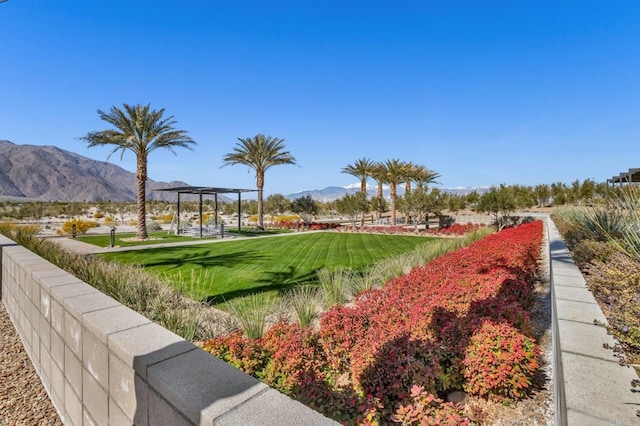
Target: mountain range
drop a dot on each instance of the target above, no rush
(48, 173)
(331, 193)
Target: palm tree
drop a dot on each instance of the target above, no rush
(140, 130)
(392, 174)
(259, 153)
(361, 169)
(378, 173)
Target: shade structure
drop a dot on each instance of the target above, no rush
(207, 190)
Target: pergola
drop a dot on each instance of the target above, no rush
(202, 190)
(633, 175)
(629, 177)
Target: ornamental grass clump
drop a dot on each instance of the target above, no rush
(305, 302)
(250, 313)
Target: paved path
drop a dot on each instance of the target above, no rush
(80, 247)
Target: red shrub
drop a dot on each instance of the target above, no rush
(500, 362)
(459, 321)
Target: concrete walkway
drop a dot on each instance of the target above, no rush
(592, 388)
(77, 246)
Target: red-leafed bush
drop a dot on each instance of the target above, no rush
(245, 354)
(426, 409)
(458, 322)
(500, 362)
(295, 352)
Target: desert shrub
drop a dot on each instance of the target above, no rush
(586, 251)
(81, 226)
(595, 224)
(98, 215)
(167, 218)
(500, 362)
(132, 223)
(154, 226)
(616, 284)
(109, 221)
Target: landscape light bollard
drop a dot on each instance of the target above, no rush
(113, 236)
(222, 230)
(73, 230)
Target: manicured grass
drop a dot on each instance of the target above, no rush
(104, 240)
(225, 270)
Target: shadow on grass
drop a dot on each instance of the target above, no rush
(181, 255)
(280, 281)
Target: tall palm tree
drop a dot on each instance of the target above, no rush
(378, 173)
(361, 169)
(140, 130)
(259, 153)
(392, 174)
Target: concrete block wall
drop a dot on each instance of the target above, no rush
(103, 364)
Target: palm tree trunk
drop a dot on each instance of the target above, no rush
(260, 185)
(407, 190)
(379, 199)
(393, 204)
(363, 189)
(142, 195)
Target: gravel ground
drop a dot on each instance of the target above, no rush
(23, 400)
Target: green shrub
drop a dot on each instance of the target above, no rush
(586, 251)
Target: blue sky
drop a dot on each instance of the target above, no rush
(516, 92)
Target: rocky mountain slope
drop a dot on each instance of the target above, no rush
(49, 173)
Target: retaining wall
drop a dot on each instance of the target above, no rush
(103, 364)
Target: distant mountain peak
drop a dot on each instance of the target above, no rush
(50, 173)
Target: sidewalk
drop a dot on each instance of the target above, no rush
(80, 247)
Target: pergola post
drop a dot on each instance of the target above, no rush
(200, 213)
(208, 190)
(239, 213)
(215, 217)
(178, 216)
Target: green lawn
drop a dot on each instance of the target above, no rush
(225, 270)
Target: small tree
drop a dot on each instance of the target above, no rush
(415, 204)
(276, 204)
(306, 207)
(352, 205)
(499, 201)
(436, 204)
(542, 194)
